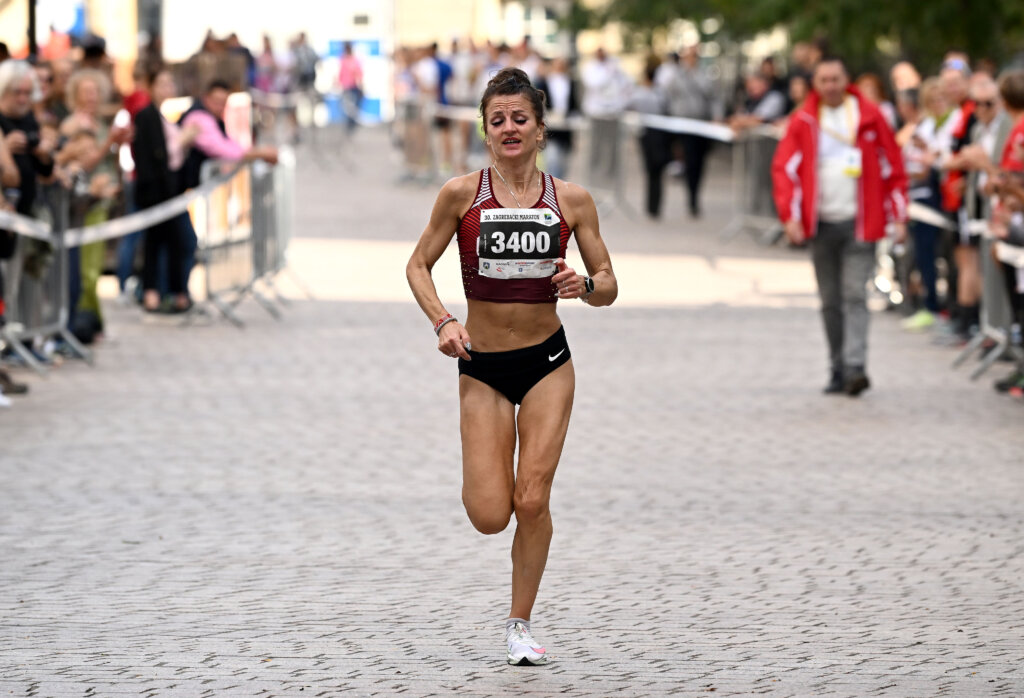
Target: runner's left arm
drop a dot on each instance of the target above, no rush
(595, 255)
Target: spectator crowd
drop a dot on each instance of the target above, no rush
(959, 132)
(67, 130)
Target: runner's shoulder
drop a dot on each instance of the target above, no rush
(460, 192)
(572, 197)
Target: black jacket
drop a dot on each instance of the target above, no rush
(562, 135)
(154, 180)
(28, 164)
(192, 169)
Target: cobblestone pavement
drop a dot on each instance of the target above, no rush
(276, 511)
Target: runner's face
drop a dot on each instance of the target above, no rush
(512, 128)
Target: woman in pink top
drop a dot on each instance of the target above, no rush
(350, 79)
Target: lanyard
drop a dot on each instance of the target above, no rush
(851, 127)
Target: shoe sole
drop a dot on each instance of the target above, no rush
(523, 661)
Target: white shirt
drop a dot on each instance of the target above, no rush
(605, 88)
(988, 144)
(837, 134)
(427, 75)
(559, 87)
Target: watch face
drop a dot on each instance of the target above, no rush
(589, 284)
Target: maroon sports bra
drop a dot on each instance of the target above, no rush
(508, 254)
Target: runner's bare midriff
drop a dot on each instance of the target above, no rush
(507, 326)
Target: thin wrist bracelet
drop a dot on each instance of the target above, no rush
(442, 322)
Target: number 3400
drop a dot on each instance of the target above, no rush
(526, 242)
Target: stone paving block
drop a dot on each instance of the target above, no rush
(207, 499)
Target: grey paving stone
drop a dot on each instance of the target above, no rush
(276, 511)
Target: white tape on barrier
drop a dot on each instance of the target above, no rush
(929, 216)
(677, 124)
(1010, 254)
(147, 218)
(23, 225)
(283, 100)
(458, 113)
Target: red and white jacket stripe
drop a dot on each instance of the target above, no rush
(881, 188)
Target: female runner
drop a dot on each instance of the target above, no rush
(513, 224)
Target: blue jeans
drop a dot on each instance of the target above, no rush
(129, 243)
(189, 243)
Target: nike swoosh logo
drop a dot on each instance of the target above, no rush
(552, 358)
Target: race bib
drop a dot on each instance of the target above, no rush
(852, 162)
(518, 243)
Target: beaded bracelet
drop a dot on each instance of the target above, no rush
(442, 322)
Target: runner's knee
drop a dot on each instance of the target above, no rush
(487, 517)
(531, 504)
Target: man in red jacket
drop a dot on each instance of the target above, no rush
(838, 181)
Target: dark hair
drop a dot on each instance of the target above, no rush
(832, 58)
(217, 85)
(154, 72)
(513, 81)
(1011, 89)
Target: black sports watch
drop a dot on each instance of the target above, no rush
(588, 284)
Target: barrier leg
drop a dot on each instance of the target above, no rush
(265, 303)
(22, 351)
(227, 310)
(300, 283)
(1002, 343)
(269, 283)
(972, 346)
(76, 346)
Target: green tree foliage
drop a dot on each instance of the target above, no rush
(920, 30)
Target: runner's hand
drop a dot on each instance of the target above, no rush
(453, 340)
(568, 283)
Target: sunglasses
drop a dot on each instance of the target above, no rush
(987, 103)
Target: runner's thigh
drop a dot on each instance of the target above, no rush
(543, 423)
(488, 447)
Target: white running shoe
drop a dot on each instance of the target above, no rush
(522, 648)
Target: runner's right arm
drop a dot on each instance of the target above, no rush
(453, 200)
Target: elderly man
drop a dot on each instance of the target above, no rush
(838, 179)
(31, 146)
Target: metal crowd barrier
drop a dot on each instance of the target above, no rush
(243, 218)
(36, 294)
(995, 314)
(243, 226)
(752, 155)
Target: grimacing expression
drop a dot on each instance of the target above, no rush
(512, 126)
